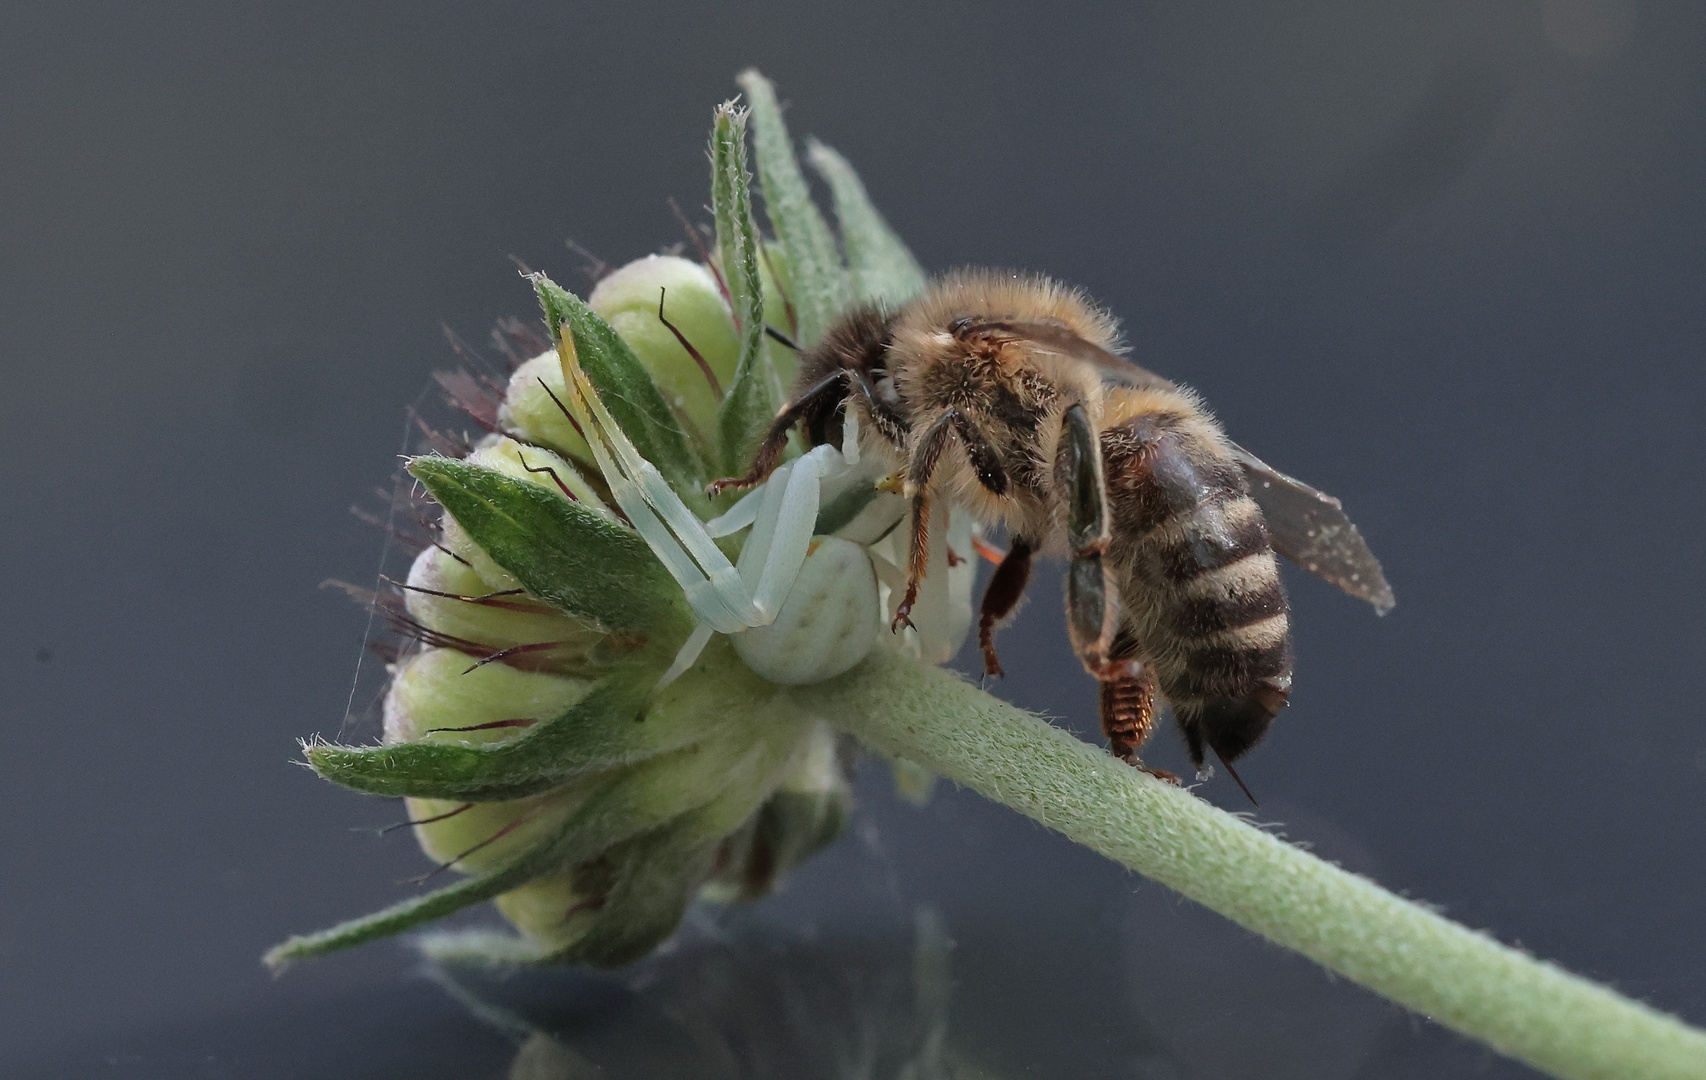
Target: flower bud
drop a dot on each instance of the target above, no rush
(449, 598)
(628, 299)
(528, 407)
(439, 689)
(536, 465)
(530, 463)
(552, 910)
(435, 697)
(583, 745)
(809, 809)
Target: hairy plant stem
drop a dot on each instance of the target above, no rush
(1518, 1005)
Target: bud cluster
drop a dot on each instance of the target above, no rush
(596, 724)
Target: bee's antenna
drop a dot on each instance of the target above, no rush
(1227, 765)
(777, 335)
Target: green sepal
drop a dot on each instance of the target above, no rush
(821, 289)
(881, 266)
(656, 876)
(632, 801)
(626, 388)
(441, 902)
(603, 730)
(717, 704)
(755, 392)
(787, 830)
(574, 558)
(794, 825)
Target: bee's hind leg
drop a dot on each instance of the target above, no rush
(1093, 599)
(1128, 713)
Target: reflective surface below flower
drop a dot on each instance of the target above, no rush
(1056, 963)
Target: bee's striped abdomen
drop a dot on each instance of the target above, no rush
(1200, 586)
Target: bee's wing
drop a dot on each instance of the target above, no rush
(1053, 337)
(1310, 528)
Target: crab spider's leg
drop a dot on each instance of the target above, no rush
(627, 494)
(791, 535)
(781, 535)
(713, 589)
(782, 514)
(760, 509)
(738, 516)
(689, 652)
(701, 592)
(652, 487)
(745, 512)
(754, 553)
(719, 599)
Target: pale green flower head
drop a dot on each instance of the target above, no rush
(599, 724)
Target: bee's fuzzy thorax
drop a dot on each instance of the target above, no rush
(1005, 294)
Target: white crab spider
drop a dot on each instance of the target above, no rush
(733, 598)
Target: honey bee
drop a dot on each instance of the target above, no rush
(1007, 394)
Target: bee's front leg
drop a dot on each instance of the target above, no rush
(926, 454)
(770, 449)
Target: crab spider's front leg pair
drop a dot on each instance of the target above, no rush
(726, 598)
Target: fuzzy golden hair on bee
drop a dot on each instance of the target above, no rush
(1002, 296)
(1007, 394)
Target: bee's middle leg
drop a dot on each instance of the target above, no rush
(1001, 597)
(1092, 597)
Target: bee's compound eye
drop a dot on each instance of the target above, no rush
(827, 624)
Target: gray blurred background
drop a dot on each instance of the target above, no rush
(1443, 260)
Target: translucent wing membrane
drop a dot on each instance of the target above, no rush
(1310, 528)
